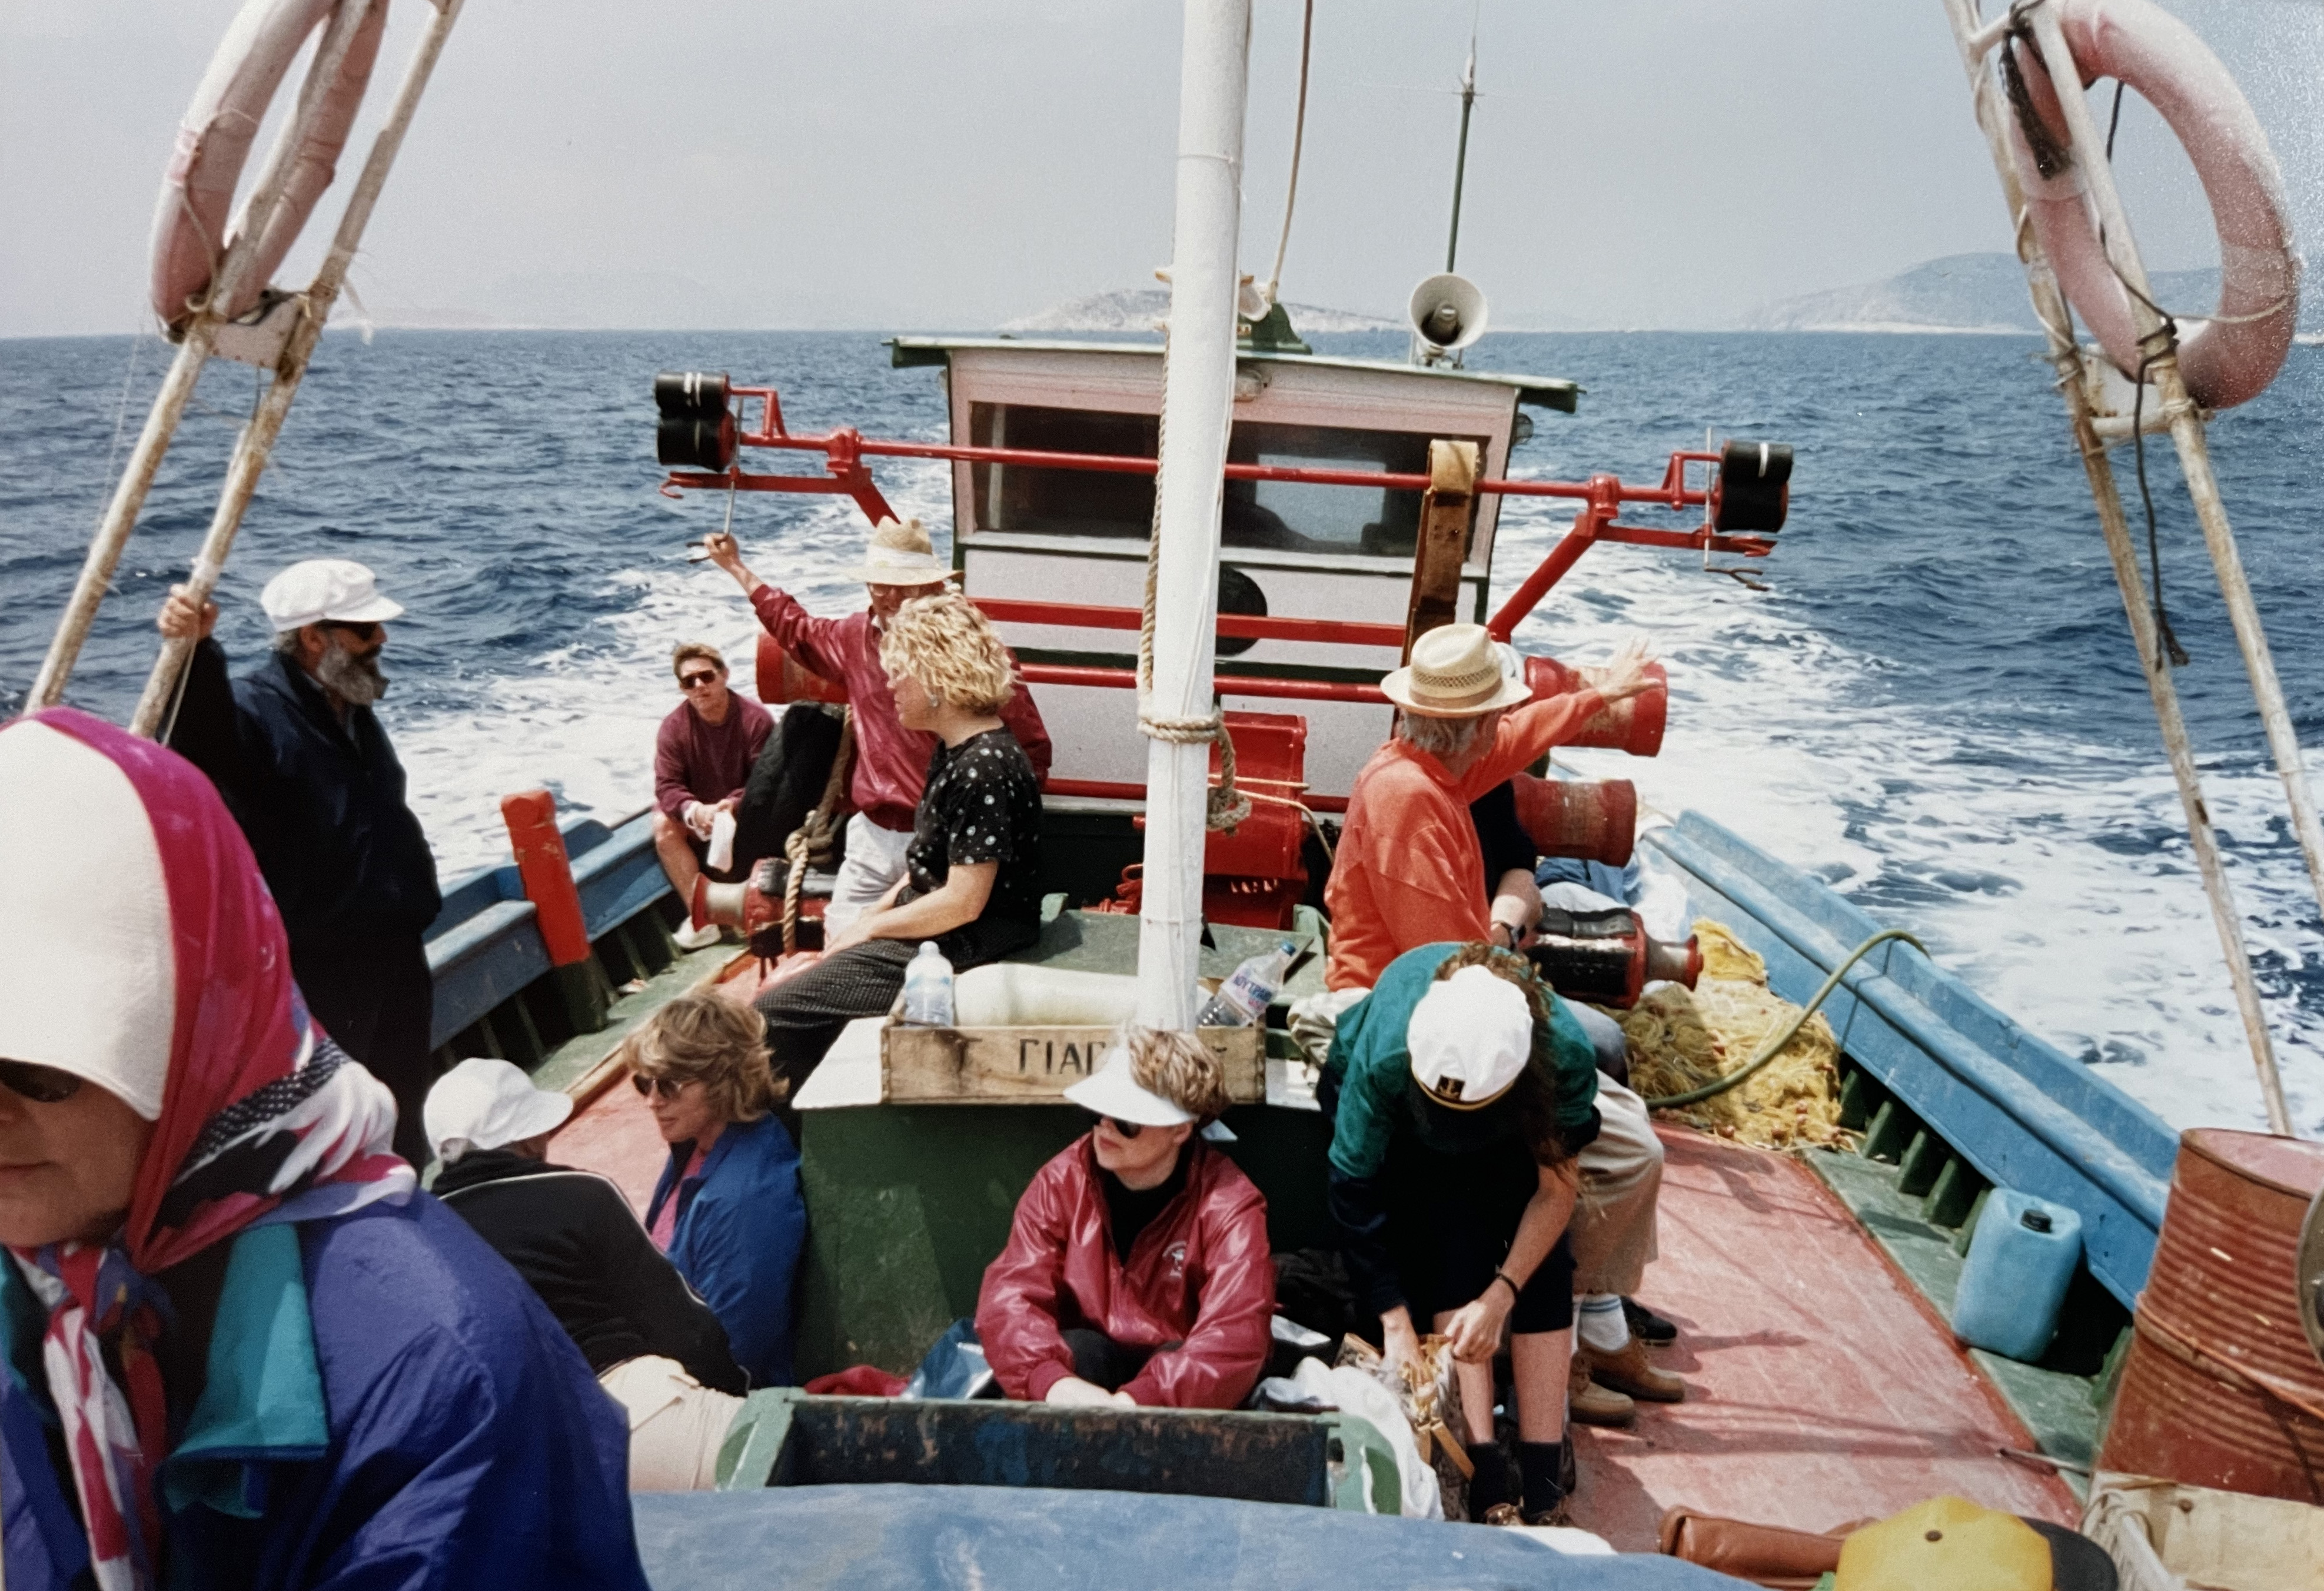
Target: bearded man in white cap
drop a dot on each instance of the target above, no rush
(302, 762)
(891, 762)
(1137, 1270)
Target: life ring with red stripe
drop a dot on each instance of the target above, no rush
(2232, 356)
(189, 225)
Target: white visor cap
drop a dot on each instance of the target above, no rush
(85, 928)
(482, 1103)
(1470, 1038)
(1113, 1090)
(321, 589)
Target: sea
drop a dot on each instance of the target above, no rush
(1927, 695)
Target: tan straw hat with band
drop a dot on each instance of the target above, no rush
(1454, 673)
(899, 554)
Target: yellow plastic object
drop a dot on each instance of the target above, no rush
(1945, 1544)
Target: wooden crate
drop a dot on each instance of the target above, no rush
(1032, 1065)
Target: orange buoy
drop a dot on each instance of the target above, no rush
(1634, 725)
(1594, 819)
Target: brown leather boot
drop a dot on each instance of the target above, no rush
(1630, 1371)
(1588, 1403)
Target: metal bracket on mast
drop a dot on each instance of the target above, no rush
(1977, 38)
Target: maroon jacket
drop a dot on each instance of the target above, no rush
(1199, 1275)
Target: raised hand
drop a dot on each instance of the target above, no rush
(180, 620)
(1625, 676)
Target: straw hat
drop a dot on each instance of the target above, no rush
(899, 554)
(1454, 673)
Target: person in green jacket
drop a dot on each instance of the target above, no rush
(1461, 1088)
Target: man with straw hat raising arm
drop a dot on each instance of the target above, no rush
(1407, 868)
(891, 762)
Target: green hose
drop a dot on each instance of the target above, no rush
(1774, 1046)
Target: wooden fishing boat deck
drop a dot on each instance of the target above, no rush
(1824, 1388)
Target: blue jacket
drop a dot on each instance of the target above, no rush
(741, 1222)
(320, 801)
(386, 1405)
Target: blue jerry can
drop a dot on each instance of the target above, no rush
(2019, 1263)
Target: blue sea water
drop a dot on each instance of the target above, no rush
(1934, 703)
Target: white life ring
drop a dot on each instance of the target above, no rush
(189, 239)
(2226, 360)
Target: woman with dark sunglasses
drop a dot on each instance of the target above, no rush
(237, 1345)
(727, 1210)
(1137, 1270)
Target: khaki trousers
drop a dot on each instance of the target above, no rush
(677, 1424)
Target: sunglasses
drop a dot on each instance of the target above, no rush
(42, 1084)
(1127, 1129)
(667, 1087)
(694, 681)
(366, 632)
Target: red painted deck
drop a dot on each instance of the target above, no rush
(1821, 1387)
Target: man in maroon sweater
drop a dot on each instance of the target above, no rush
(702, 754)
(891, 762)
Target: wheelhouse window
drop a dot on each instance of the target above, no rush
(1280, 516)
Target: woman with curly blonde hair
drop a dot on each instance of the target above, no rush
(1137, 1270)
(973, 872)
(727, 1210)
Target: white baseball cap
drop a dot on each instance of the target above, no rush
(1470, 1038)
(319, 589)
(482, 1103)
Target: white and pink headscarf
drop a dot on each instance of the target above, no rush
(129, 897)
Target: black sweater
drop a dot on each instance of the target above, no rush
(574, 1237)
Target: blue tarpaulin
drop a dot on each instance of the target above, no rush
(1005, 1539)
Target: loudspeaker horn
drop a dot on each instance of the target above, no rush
(1447, 313)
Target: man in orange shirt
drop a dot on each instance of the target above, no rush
(1407, 871)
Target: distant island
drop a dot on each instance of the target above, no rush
(1967, 293)
(1137, 309)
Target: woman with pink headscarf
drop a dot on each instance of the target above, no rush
(237, 1345)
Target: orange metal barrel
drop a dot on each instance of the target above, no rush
(2220, 1388)
(1634, 725)
(1596, 819)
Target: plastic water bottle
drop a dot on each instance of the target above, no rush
(928, 988)
(2019, 1265)
(1244, 997)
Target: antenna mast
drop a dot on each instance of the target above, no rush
(1460, 161)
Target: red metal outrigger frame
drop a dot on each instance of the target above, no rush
(1601, 496)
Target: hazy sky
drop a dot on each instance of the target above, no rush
(948, 164)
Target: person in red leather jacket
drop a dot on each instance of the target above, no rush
(1137, 1270)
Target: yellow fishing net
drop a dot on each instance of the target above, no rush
(1682, 1039)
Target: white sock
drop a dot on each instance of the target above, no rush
(1603, 1329)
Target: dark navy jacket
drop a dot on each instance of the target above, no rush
(387, 1405)
(321, 802)
(741, 1222)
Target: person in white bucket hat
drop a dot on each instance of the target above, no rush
(891, 762)
(1137, 1270)
(574, 1238)
(303, 762)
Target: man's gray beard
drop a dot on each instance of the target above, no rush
(353, 679)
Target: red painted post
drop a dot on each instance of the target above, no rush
(548, 874)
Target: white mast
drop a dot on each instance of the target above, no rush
(1197, 408)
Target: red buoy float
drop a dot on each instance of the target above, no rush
(1634, 725)
(2231, 357)
(189, 225)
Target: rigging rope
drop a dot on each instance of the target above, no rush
(812, 840)
(1298, 138)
